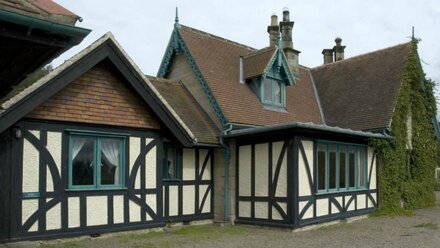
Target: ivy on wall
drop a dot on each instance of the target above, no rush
(408, 161)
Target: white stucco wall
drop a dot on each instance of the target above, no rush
(135, 211)
(53, 217)
(29, 207)
(304, 186)
(73, 212)
(188, 199)
(96, 210)
(189, 161)
(31, 166)
(207, 206)
(373, 179)
(261, 210)
(244, 170)
(322, 207)
(151, 200)
(309, 212)
(361, 202)
(118, 209)
(135, 149)
(207, 173)
(275, 214)
(174, 200)
(244, 209)
(54, 145)
(150, 166)
(281, 190)
(262, 170)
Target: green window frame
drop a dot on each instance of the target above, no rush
(108, 149)
(274, 100)
(172, 162)
(340, 167)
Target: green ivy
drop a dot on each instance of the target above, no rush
(406, 176)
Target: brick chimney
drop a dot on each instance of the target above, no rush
(273, 30)
(286, 30)
(338, 49)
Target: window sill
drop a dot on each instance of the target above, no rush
(171, 180)
(275, 108)
(95, 189)
(340, 191)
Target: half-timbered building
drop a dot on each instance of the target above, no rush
(224, 132)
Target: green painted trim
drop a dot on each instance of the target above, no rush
(347, 188)
(175, 45)
(97, 157)
(75, 34)
(93, 133)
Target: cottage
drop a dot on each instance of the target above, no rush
(224, 132)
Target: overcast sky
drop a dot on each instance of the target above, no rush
(144, 27)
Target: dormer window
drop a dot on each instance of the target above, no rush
(273, 92)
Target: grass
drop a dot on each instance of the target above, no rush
(431, 226)
(170, 237)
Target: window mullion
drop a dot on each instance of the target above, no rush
(327, 167)
(347, 167)
(97, 168)
(356, 169)
(337, 168)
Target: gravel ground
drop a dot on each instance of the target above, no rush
(420, 230)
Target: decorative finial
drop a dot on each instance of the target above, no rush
(279, 37)
(176, 20)
(412, 36)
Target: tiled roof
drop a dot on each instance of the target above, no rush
(255, 63)
(42, 9)
(186, 107)
(218, 59)
(360, 93)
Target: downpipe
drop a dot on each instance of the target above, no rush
(227, 157)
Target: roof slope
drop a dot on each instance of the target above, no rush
(32, 95)
(42, 9)
(218, 60)
(360, 93)
(186, 107)
(255, 64)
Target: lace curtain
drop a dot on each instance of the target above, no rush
(111, 148)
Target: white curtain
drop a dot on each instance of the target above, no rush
(78, 144)
(111, 149)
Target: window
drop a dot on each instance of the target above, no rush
(341, 167)
(272, 92)
(96, 161)
(172, 162)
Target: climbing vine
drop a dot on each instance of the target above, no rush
(407, 162)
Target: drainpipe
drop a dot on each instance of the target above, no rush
(227, 156)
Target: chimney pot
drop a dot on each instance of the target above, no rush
(338, 49)
(274, 20)
(273, 30)
(286, 14)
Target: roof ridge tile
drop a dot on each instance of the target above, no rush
(360, 56)
(194, 30)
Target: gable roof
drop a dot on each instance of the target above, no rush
(187, 108)
(218, 61)
(21, 102)
(256, 63)
(260, 62)
(361, 92)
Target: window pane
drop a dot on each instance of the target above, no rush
(361, 167)
(171, 163)
(332, 166)
(110, 161)
(277, 92)
(342, 170)
(321, 166)
(267, 84)
(82, 154)
(351, 168)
